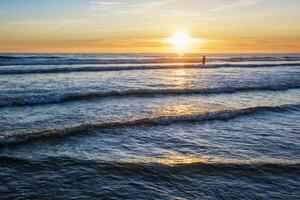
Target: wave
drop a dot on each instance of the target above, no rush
(7, 139)
(8, 58)
(76, 61)
(128, 68)
(60, 98)
(72, 60)
(161, 170)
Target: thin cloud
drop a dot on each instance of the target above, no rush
(237, 3)
(125, 7)
(166, 8)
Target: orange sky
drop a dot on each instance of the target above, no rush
(228, 45)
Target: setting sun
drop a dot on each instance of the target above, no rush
(180, 41)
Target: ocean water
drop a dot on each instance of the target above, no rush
(149, 126)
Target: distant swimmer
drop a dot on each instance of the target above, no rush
(203, 60)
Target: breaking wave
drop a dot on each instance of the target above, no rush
(6, 139)
(60, 98)
(8, 58)
(70, 59)
(127, 68)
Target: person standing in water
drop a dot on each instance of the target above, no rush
(203, 60)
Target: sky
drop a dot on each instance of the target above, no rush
(143, 26)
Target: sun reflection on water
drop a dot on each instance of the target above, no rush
(178, 78)
(177, 109)
(176, 159)
(170, 158)
(173, 159)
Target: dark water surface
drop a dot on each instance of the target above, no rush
(149, 126)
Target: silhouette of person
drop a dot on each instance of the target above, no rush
(203, 60)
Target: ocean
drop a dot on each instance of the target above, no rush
(149, 126)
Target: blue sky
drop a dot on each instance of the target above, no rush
(33, 10)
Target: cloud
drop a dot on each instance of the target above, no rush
(236, 3)
(127, 7)
(104, 5)
(166, 8)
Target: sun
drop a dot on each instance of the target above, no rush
(181, 41)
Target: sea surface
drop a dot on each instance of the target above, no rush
(149, 126)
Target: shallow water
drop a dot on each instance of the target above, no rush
(149, 126)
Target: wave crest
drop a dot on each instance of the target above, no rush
(59, 98)
(129, 68)
(148, 121)
(69, 59)
(221, 168)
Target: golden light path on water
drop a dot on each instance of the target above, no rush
(174, 158)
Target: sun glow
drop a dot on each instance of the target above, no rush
(182, 42)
